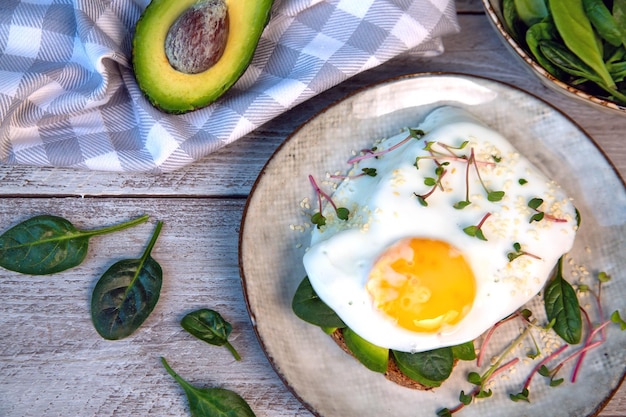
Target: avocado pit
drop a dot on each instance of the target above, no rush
(197, 38)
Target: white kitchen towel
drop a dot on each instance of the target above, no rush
(68, 96)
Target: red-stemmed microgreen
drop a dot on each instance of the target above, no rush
(476, 230)
(535, 203)
(434, 183)
(368, 153)
(539, 368)
(517, 252)
(369, 172)
(478, 391)
(318, 218)
(493, 196)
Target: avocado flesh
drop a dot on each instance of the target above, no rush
(373, 357)
(176, 92)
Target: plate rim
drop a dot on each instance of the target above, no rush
(319, 113)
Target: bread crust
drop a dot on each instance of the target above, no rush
(393, 373)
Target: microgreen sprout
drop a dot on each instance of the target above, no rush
(476, 231)
(370, 172)
(367, 154)
(434, 183)
(493, 196)
(517, 252)
(318, 218)
(522, 181)
(535, 203)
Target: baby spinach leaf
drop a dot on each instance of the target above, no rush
(578, 35)
(531, 11)
(46, 244)
(210, 326)
(429, 368)
(561, 305)
(602, 20)
(126, 294)
(464, 351)
(308, 306)
(538, 32)
(211, 402)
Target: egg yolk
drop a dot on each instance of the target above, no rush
(422, 284)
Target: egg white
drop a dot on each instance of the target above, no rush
(384, 209)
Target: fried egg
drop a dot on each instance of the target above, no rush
(455, 231)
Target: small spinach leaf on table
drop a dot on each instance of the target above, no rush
(46, 244)
(210, 326)
(126, 294)
(211, 402)
(562, 308)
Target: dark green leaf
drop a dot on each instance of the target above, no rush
(537, 217)
(474, 378)
(318, 219)
(211, 402)
(464, 351)
(531, 11)
(342, 213)
(464, 398)
(578, 35)
(422, 200)
(522, 181)
(522, 396)
(309, 307)
(495, 196)
(369, 171)
(429, 181)
(561, 304)
(601, 19)
(444, 412)
(484, 394)
(544, 371)
(429, 368)
(617, 319)
(556, 382)
(126, 294)
(44, 245)
(460, 205)
(210, 326)
(535, 203)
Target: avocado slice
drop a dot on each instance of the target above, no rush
(175, 91)
(373, 357)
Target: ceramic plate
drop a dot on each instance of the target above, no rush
(274, 237)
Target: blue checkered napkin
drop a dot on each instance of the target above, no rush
(68, 96)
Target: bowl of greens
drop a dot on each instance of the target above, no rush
(575, 47)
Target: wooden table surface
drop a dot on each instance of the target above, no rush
(53, 363)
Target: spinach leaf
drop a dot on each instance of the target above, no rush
(538, 32)
(602, 20)
(619, 14)
(429, 368)
(578, 35)
(211, 402)
(464, 351)
(210, 326)
(531, 11)
(561, 305)
(46, 244)
(308, 306)
(126, 294)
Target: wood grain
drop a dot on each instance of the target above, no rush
(51, 360)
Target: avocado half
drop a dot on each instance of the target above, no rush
(177, 92)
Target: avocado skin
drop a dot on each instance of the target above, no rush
(175, 92)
